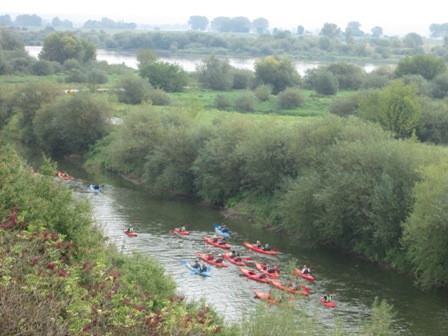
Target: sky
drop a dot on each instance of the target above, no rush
(396, 17)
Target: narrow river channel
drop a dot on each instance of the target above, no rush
(356, 282)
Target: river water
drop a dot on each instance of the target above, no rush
(188, 64)
(356, 282)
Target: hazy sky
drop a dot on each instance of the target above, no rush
(394, 16)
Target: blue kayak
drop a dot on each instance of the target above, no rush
(91, 186)
(218, 231)
(195, 270)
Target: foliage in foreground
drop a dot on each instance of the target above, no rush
(57, 277)
(268, 320)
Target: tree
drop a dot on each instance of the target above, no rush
(349, 76)
(413, 40)
(197, 22)
(426, 230)
(56, 22)
(133, 89)
(28, 20)
(166, 76)
(438, 30)
(260, 25)
(239, 24)
(439, 86)
(330, 30)
(28, 101)
(277, 71)
(434, 122)
(326, 83)
(61, 46)
(220, 23)
(9, 40)
(397, 107)
(355, 28)
(73, 123)
(5, 20)
(215, 74)
(377, 31)
(146, 56)
(428, 66)
(300, 30)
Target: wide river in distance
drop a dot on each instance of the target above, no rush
(189, 64)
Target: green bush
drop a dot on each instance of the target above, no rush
(73, 123)
(215, 74)
(246, 102)
(222, 102)
(326, 83)
(345, 106)
(263, 92)
(159, 97)
(290, 98)
(133, 89)
(166, 76)
(242, 79)
(43, 68)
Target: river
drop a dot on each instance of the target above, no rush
(356, 282)
(188, 64)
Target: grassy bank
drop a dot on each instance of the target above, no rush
(59, 276)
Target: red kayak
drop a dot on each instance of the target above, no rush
(279, 285)
(216, 244)
(258, 249)
(64, 176)
(267, 298)
(254, 275)
(239, 263)
(131, 234)
(273, 275)
(327, 304)
(212, 261)
(178, 231)
(305, 276)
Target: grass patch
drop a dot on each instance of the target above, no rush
(314, 105)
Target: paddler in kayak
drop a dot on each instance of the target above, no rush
(183, 229)
(306, 270)
(130, 229)
(203, 268)
(267, 248)
(210, 256)
(262, 276)
(224, 229)
(328, 298)
(294, 286)
(215, 238)
(222, 241)
(238, 257)
(220, 259)
(96, 186)
(232, 254)
(257, 244)
(196, 264)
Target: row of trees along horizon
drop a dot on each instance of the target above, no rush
(239, 24)
(369, 179)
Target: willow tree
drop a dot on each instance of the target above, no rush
(426, 230)
(279, 72)
(396, 107)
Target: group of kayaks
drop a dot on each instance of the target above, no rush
(263, 274)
